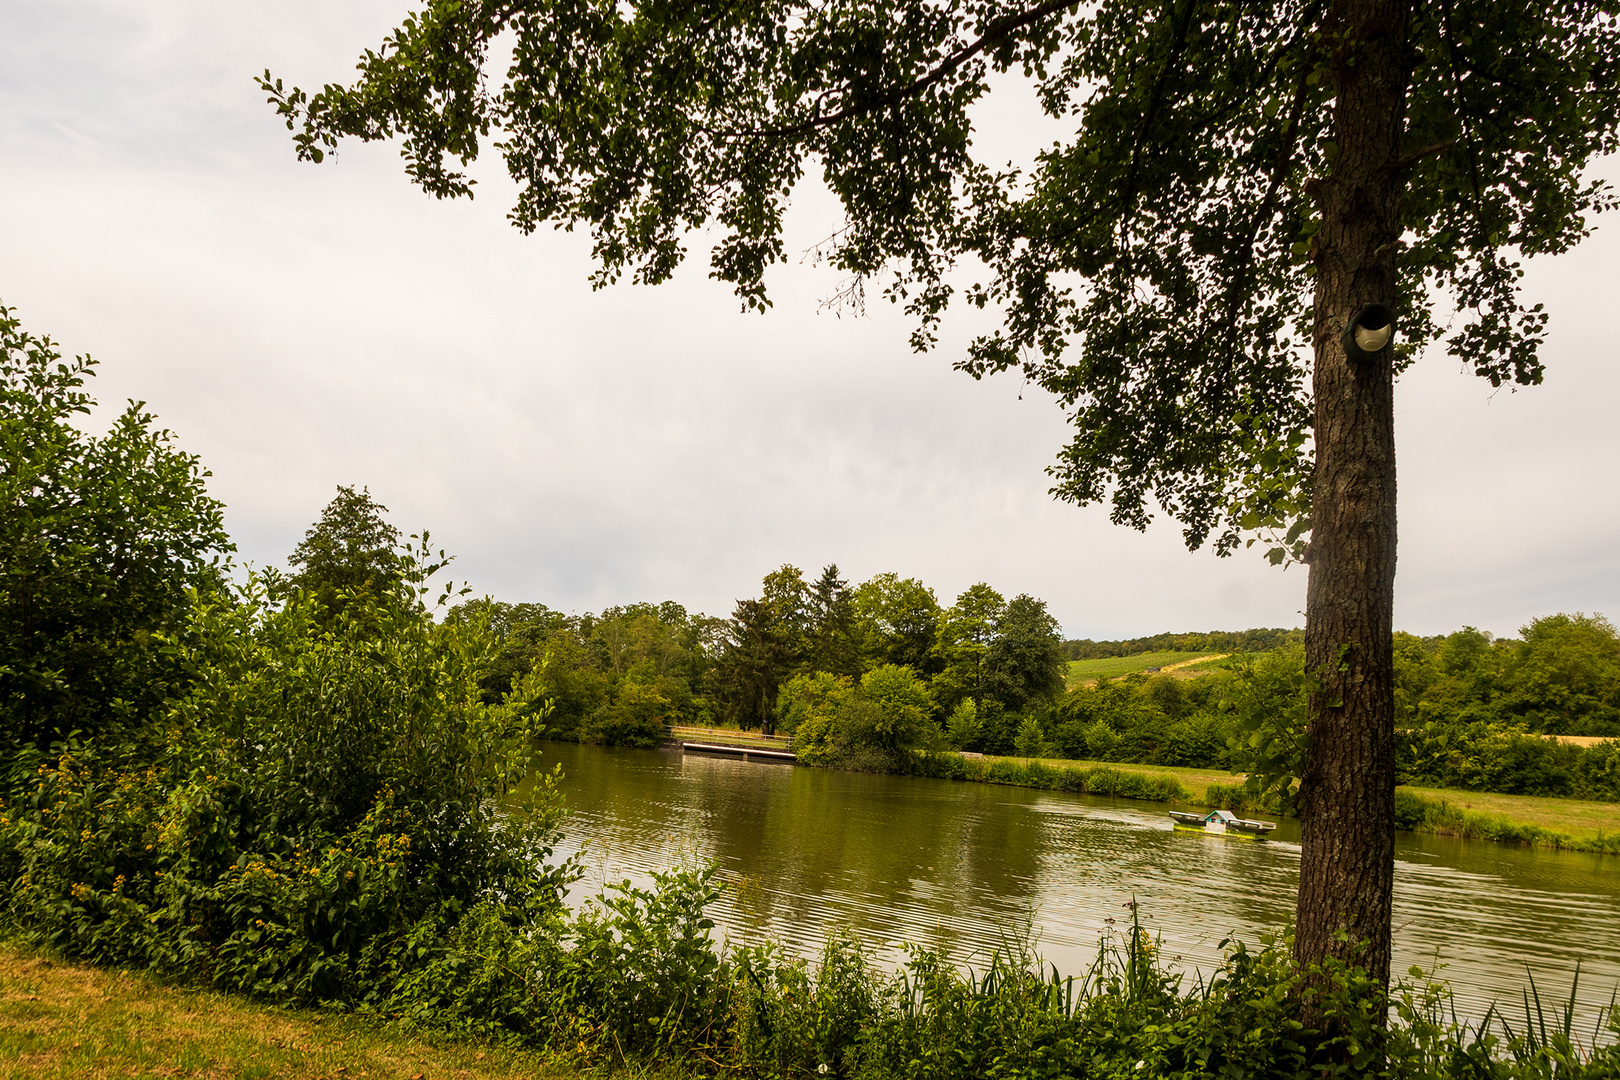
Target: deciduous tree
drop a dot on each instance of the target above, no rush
(352, 550)
(102, 537)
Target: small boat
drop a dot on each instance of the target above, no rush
(1222, 822)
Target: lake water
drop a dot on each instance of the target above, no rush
(904, 859)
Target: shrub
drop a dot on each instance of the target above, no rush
(640, 714)
(879, 725)
(964, 730)
(324, 787)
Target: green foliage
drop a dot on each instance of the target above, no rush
(637, 980)
(962, 648)
(1030, 743)
(1194, 643)
(619, 677)
(964, 729)
(1267, 698)
(323, 787)
(640, 714)
(349, 552)
(103, 540)
(1154, 720)
(897, 621)
(890, 711)
(877, 725)
(1566, 678)
(833, 643)
(1025, 665)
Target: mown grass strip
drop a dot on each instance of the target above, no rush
(67, 1021)
(1574, 826)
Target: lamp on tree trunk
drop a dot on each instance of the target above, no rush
(1369, 333)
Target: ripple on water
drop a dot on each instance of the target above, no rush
(972, 867)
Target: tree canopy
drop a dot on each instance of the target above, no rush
(351, 551)
(1155, 271)
(103, 538)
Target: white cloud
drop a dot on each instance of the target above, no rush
(302, 327)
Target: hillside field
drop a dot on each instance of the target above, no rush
(1111, 667)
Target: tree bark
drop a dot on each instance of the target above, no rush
(1347, 789)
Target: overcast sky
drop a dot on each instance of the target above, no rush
(306, 326)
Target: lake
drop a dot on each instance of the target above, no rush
(966, 866)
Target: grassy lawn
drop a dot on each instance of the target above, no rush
(1574, 817)
(1085, 671)
(64, 1020)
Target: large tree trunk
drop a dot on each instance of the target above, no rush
(1347, 790)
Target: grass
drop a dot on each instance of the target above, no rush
(1528, 819)
(1109, 667)
(60, 1020)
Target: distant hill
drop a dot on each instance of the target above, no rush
(1207, 641)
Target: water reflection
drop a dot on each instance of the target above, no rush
(966, 865)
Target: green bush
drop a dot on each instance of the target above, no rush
(640, 714)
(323, 787)
(880, 724)
(103, 541)
(1031, 741)
(1482, 756)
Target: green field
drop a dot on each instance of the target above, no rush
(1085, 671)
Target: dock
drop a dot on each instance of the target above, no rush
(744, 752)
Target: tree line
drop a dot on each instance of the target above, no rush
(1210, 641)
(1474, 712)
(626, 674)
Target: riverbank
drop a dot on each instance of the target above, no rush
(72, 1021)
(1560, 824)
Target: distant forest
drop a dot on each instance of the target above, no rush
(1210, 641)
